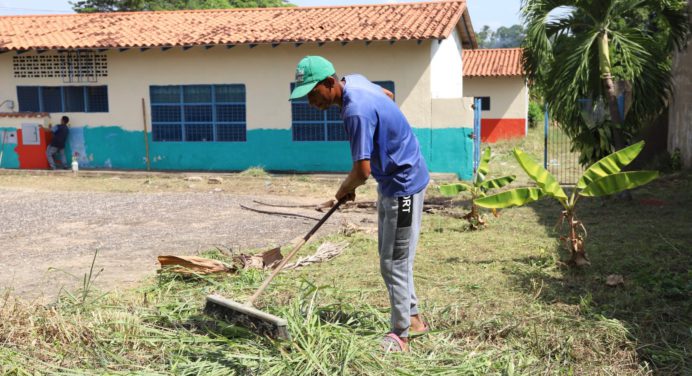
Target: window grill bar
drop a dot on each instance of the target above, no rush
(86, 101)
(40, 99)
(182, 113)
(62, 99)
(213, 112)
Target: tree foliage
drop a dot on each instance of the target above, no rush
(90, 6)
(503, 37)
(536, 114)
(577, 51)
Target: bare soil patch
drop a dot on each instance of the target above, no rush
(52, 224)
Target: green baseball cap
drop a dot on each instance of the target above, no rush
(310, 71)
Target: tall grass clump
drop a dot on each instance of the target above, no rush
(255, 172)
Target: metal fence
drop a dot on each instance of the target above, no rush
(558, 157)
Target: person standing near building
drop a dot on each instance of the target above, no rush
(57, 144)
(382, 144)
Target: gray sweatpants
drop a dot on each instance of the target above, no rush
(399, 220)
(50, 154)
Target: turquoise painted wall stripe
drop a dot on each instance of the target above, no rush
(10, 159)
(270, 149)
(445, 150)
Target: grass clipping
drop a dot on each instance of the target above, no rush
(162, 330)
(325, 252)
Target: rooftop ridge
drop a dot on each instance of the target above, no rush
(335, 23)
(224, 10)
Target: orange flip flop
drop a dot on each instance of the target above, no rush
(392, 343)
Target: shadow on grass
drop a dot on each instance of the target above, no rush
(230, 366)
(206, 324)
(649, 245)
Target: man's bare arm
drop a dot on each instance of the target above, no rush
(357, 177)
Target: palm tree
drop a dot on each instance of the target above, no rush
(576, 50)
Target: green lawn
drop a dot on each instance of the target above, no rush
(499, 300)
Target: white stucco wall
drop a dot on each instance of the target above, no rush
(266, 73)
(508, 96)
(446, 79)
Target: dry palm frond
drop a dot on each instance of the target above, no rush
(325, 252)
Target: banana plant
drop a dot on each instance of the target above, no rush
(478, 189)
(603, 178)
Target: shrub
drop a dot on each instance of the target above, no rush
(535, 114)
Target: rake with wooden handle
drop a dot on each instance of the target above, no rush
(245, 314)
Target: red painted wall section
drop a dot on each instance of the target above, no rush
(33, 156)
(493, 130)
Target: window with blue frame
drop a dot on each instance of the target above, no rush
(62, 98)
(198, 113)
(310, 124)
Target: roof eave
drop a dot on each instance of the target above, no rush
(465, 28)
(493, 75)
(169, 45)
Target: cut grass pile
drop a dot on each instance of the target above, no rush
(160, 330)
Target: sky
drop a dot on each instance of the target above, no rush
(493, 13)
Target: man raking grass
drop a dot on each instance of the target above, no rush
(382, 145)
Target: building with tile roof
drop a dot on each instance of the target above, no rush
(208, 89)
(497, 77)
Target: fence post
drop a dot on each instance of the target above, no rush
(546, 121)
(621, 106)
(476, 133)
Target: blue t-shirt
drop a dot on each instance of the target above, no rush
(378, 131)
(60, 134)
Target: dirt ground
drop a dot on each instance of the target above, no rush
(51, 224)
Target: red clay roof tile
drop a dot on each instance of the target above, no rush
(499, 62)
(234, 26)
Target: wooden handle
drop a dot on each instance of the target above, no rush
(295, 250)
(146, 135)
